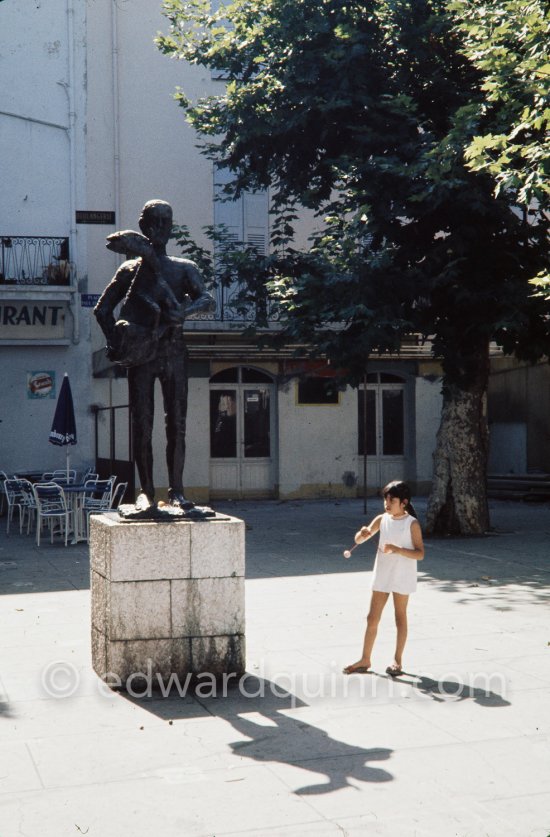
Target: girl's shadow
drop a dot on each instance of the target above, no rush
(447, 691)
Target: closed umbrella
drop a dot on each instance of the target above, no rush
(63, 430)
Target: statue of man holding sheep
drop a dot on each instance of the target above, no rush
(157, 293)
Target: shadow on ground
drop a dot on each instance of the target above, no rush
(257, 712)
(301, 538)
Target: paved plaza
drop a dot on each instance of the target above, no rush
(458, 745)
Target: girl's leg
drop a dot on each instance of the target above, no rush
(400, 603)
(377, 603)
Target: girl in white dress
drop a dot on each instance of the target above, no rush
(399, 549)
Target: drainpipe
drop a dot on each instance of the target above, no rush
(70, 90)
(116, 134)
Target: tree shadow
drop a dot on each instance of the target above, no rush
(271, 735)
(51, 568)
(303, 537)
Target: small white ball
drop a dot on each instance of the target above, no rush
(347, 554)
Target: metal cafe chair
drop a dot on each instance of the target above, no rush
(15, 499)
(60, 476)
(118, 494)
(29, 502)
(97, 501)
(51, 506)
(3, 478)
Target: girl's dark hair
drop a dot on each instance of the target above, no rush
(402, 491)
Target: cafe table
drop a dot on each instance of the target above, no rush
(75, 494)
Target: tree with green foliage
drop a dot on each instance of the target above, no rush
(507, 41)
(362, 112)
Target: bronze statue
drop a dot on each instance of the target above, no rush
(157, 292)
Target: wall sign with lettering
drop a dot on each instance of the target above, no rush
(89, 300)
(94, 216)
(28, 320)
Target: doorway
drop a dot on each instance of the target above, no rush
(385, 430)
(113, 446)
(242, 434)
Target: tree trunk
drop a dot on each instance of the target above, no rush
(458, 500)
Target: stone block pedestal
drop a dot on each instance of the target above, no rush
(167, 598)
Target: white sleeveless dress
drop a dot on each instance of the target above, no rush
(395, 573)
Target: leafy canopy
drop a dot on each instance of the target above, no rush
(363, 112)
(507, 41)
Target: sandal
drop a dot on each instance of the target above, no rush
(356, 669)
(394, 670)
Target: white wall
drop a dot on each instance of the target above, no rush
(42, 106)
(428, 413)
(26, 423)
(34, 121)
(139, 145)
(317, 445)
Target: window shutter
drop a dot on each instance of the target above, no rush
(227, 213)
(256, 220)
(246, 219)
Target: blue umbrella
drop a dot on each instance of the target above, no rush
(63, 430)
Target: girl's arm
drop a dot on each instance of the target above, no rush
(366, 532)
(417, 553)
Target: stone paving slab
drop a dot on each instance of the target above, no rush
(459, 746)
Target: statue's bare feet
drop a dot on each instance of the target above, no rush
(176, 498)
(144, 502)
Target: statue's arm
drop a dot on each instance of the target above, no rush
(114, 293)
(201, 299)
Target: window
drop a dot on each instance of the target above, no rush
(226, 376)
(240, 413)
(223, 423)
(384, 429)
(241, 374)
(317, 391)
(245, 219)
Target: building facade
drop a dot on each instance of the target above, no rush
(89, 131)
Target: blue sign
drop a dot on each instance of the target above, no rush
(89, 300)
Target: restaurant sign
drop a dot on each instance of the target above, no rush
(28, 320)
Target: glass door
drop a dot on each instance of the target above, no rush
(382, 430)
(241, 434)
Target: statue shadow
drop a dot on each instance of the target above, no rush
(270, 735)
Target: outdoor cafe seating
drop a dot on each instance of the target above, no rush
(97, 499)
(118, 495)
(20, 497)
(61, 476)
(65, 506)
(52, 507)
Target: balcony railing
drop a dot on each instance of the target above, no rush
(34, 260)
(231, 307)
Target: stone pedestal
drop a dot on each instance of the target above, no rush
(167, 598)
